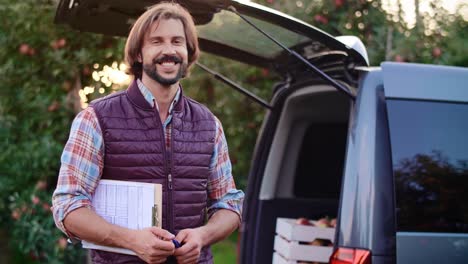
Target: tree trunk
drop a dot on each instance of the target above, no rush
(73, 96)
(389, 44)
(418, 16)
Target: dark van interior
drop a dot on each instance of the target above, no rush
(310, 135)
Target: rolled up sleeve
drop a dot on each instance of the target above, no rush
(81, 167)
(222, 191)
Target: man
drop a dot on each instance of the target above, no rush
(152, 133)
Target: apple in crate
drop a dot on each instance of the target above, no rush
(321, 242)
(323, 222)
(303, 221)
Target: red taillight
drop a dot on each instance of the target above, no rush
(350, 256)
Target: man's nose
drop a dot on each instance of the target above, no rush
(168, 48)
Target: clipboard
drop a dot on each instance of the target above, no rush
(134, 205)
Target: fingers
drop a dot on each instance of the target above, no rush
(162, 238)
(160, 242)
(188, 253)
(154, 245)
(164, 245)
(185, 249)
(164, 234)
(182, 236)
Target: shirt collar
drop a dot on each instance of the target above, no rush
(152, 100)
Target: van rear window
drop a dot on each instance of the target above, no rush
(430, 164)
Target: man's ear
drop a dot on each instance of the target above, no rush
(139, 59)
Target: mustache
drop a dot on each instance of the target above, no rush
(167, 58)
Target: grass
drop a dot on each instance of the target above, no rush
(225, 252)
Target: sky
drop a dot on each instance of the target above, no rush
(409, 7)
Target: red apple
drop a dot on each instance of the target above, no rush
(62, 243)
(303, 221)
(436, 52)
(33, 255)
(53, 107)
(41, 185)
(321, 242)
(24, 49)
(321, 19)
(86, 71)
(16, 214)
(61, 42)
(31, 52)
(323, 222)
(54, 44)
(35, 199)
(46, 207)
(339, 3)
(316, 242)
(399, 58)
(252, 79)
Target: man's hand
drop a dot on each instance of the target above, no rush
(153, 245)
(192, 243)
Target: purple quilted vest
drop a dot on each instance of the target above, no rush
(135, 150)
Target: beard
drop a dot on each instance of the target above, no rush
(151, 70)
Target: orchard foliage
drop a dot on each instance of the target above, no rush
(437, 37)
(45, 68)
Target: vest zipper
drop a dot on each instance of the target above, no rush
(169, 178)
(167, 166)
(170, 202)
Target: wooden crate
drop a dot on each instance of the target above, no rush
(289, 249)
(278, 259)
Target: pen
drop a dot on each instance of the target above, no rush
(176, 243)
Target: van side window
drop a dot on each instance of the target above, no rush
(321, 159)
(430, 165)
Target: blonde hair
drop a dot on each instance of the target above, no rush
(154, 14)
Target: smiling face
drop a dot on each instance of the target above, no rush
(164, 53)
